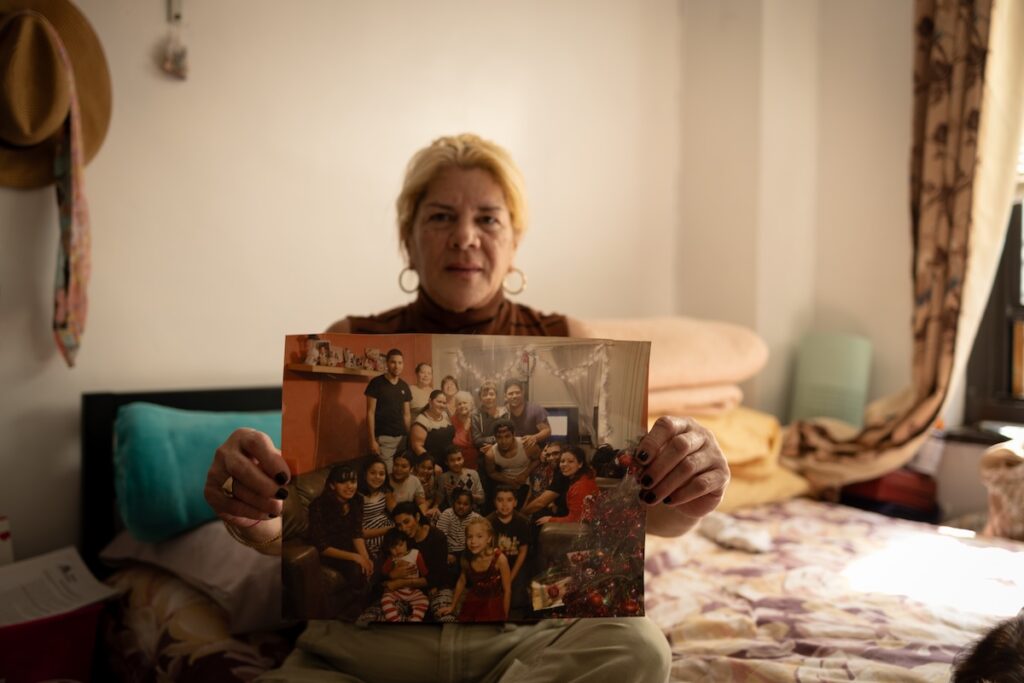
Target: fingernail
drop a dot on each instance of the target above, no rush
(647, 496)
(668, 499)
(271, 515)
(646, 481)
(281, 478)
(642, 456)
(281, 494)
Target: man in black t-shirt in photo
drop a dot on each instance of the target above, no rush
(388, 412)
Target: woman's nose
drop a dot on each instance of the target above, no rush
(465, 234)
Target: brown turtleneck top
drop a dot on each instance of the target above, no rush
(498, 316)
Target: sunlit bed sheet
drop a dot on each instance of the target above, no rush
(842, 595)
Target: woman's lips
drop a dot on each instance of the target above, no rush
(464, 271)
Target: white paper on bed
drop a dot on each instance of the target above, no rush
(47, 585)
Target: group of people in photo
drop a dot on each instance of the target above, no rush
(439, 522)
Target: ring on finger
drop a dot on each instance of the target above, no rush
(228, 487)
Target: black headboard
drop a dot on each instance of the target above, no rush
(99, 518)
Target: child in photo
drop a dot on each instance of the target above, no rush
(512, 537)
(459, 477)
(452, 523)
(431, 488)
(403, 604)
(378, 500)
(484, 586)
(404, 483)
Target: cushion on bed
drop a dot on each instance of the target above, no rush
(714, 399)
(752, 441)
(246, 584)
(688, 352)
(161, 456)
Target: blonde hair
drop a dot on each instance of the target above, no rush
(482, 521)
(466, 151)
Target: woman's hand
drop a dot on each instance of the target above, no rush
(402, 570)
(543, 520)
(683, 474)
(366, 565)
(245, 482)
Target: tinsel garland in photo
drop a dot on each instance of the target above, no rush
(578, 379)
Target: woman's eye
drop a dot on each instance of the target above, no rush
(441, 217)
(488, 221)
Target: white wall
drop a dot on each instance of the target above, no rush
(743, 160)
(863, 256)
(255, 199)
(796, 148)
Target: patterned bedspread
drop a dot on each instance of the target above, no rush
(842, 595)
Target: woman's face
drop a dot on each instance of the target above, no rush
(439, 404)
(407, 524)
(375, 475)
(463, 408)
(345, 489)
(569, 464)
(425, 376)
(462, 242)
(449, 387)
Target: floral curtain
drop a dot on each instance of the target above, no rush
(960, 193)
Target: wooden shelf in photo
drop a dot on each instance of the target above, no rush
(329, 370)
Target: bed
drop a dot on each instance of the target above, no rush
(835, 593)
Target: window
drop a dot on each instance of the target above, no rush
(995, 372)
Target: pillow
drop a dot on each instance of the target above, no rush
(161, 456)
(242, 581)
(690, 352)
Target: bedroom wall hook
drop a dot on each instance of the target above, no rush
(174, 11)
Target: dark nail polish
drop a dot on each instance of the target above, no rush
(281, 494)
(642, 456)
(271, 515)
(646, 481)
(281, 478)
(648, 496)
(668, 499)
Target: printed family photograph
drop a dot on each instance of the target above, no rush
(462, 478)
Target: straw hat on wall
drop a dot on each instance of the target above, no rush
(34, 90)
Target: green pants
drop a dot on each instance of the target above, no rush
(619, 650)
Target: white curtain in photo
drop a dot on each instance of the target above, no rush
(583, 368)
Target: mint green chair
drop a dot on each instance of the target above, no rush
(832, 374)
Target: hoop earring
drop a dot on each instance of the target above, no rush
(522, 282)
(401, 280)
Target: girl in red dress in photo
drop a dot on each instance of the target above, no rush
(485, 580)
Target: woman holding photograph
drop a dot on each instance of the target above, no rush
(461, 216)
(432, 430)
(433, 547)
